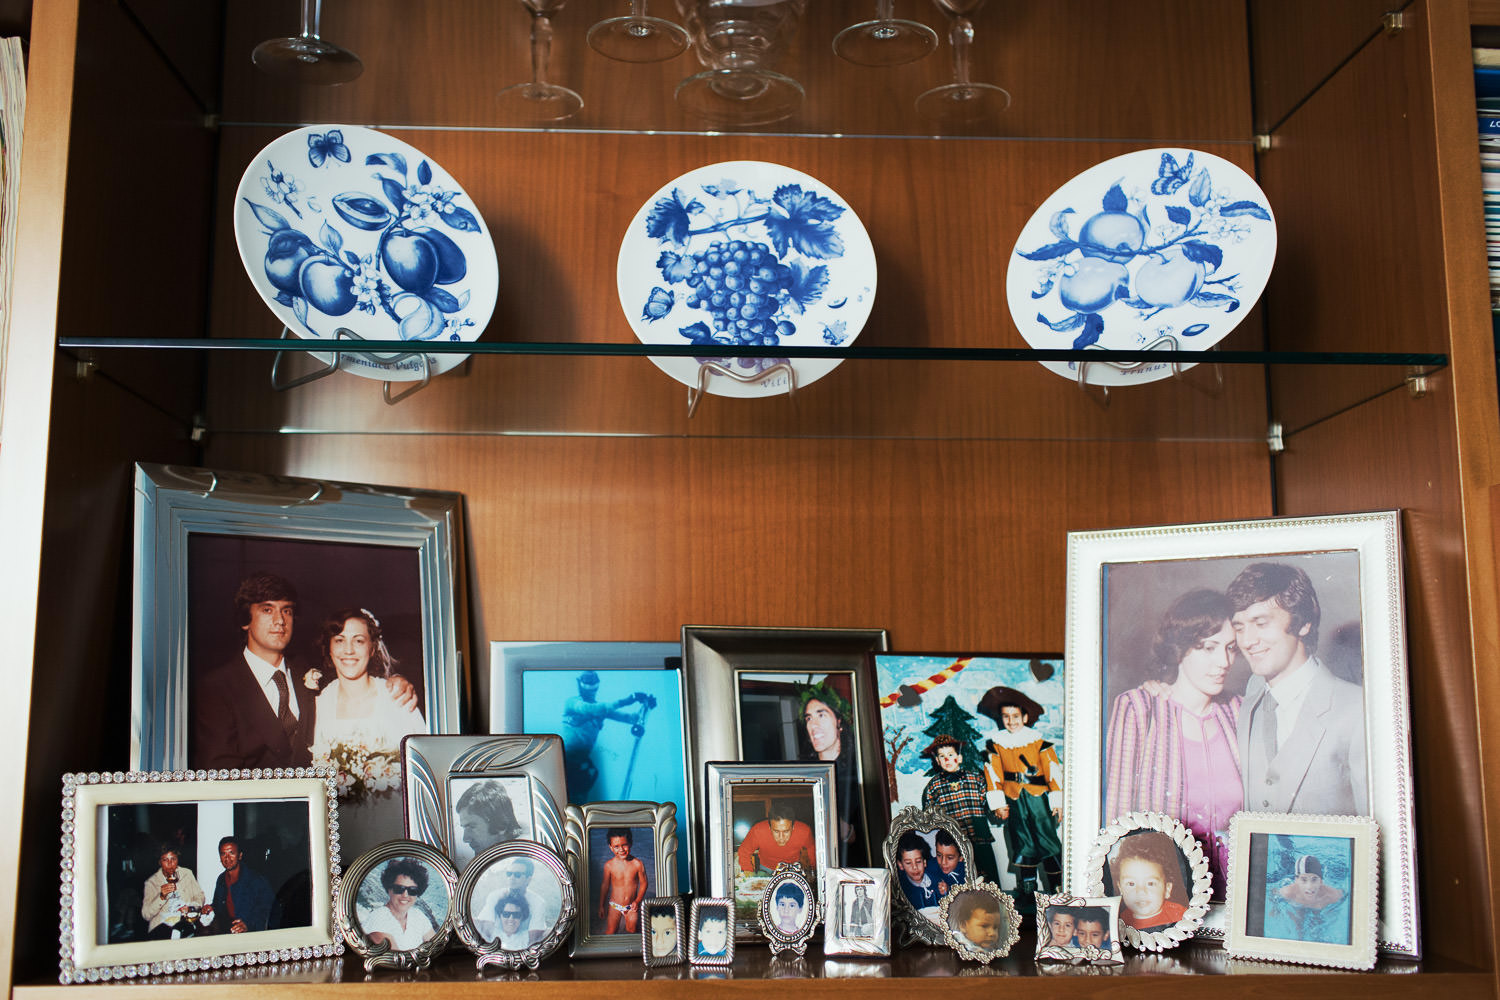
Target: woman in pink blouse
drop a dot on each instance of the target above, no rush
(1170, 746)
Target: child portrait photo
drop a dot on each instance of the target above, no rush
(622, 861)
(1306, 888)
(712, 940)
(1154, 881)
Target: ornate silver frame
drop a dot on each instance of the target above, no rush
(1007, 911)
(1359, 953)
(381, 956)
(1048, 950)
(661, 817)
(489, 953)
(1186, 843)
(429, 761)
(83, 958)
(878, 883)
(1376, 537)
(725, 904)
(657, 905)
(765, 916)
(726, 776)
(174, 502)
(912, 924)
(713, 656)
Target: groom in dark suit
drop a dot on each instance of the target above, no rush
(251, 711)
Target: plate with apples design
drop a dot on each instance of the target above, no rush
(746, 253)
(340, 226)
(1160, 249)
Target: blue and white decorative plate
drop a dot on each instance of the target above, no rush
(1159, 249)
(746, 253)
(343, 226)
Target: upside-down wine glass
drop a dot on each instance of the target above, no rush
(638, 37)
(737, 40)
(537, 100)
(962, 101)
(306, 58)
(885, 41)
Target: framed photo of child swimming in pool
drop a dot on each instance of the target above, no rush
(620, 854)
(1304, 889)
(1243, 665)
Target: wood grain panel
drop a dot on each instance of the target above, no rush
(1359, 259)
(1077, 68)
(1397, 460)
(1295, 46)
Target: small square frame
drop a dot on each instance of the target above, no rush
(1048, 950)
(912, 820)
(788, 874)
(1364, 878)
(661, 818)
(1187, 847)
(489, 953)
(709, 904)
(378, 956)
(85, 959)
(1006, 913)
(878, 889)
(656, 906)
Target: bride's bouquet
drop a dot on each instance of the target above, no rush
(366, 766)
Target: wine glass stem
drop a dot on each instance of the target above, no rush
(541, 48)
(638, 10)
(885, 10)
(961, 37)
(311, 14)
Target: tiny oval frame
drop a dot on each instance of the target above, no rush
(958, 907)
(440, 874)
(655, 908)
(721, 907)
(1093, 909)
(788, 882)
(489, 950)
(1150, 835)
(912, 820)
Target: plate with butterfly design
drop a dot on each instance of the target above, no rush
(1160, 249)
(343, 227)
(746, 253)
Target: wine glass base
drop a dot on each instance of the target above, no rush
(963, 103)
(884, 42)
(536, 103)
(739, 96)
(637, 39)
(306, 60)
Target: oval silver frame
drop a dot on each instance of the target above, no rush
(1007, 908)
(780, 941)
(379, 956)
(911, 820)
(489, 952)
(1184, 840)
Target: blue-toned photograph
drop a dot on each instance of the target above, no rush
(1305, 888)
(622, 873)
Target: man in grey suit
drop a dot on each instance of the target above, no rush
(1301, 730)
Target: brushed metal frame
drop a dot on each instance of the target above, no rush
(429, 761)
(661, 817)
(383, 956)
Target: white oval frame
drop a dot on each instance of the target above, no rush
(1185, 842)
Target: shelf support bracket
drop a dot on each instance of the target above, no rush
(710, 368)
(1393, 22)
(1167, 343)
(343, 333)
(1416, 382)
(1275, 441)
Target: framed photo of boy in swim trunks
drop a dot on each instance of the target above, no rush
(621, 854)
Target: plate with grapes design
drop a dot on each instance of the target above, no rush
(343, 227)
(749, 253)
(1161, 249)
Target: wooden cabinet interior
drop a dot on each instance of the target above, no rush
(931, 498)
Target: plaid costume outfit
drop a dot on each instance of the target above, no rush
(962, 796)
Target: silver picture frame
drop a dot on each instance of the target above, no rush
(716, 658)
(958, 910)
(91, 878)
(909, 823)
(473, 896)
(659, 819)
(441, 770)
(791, 887)
(1068, 910)
(767, 782)
(440, 891)
(711, 908)
(1356, 562)
(1287, 908)
(662, 946)
(857, 912)
(1152, 839)
(179, 507)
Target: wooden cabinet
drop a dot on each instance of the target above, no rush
(929, 495)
